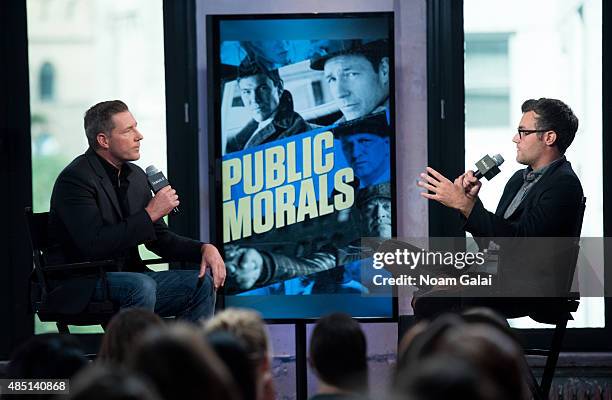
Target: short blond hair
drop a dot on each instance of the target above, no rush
(247, 326)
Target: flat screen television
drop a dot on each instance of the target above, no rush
(302, 134)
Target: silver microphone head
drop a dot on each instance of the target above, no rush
(152, 170)
(499, 160)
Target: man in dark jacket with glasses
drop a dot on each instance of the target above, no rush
(538, 203)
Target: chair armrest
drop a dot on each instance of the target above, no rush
(79, 266)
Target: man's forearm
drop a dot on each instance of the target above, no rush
(286, 267)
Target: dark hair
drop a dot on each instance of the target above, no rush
(110, 382)
(338, 352)
(235, 357)
(488, 316)
(246, 325)
(480, 340)
(554, 115)
(50, 355)
(492, 352)
(123, 331)
(99, 118)
(250, 67)
(182, 365)
(425, 343)
(442, 377)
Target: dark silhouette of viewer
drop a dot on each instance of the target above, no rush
(182, 365)
(106, 382)
(249, 328)
(46, 356)
(444, 377)
(232, 352)
(49, 355)
(479, 341)
(124, 331)
(338, 355)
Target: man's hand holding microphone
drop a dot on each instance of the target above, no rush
(462, 193)
(164, 201)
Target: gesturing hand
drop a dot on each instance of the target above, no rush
(212, 259)
(457, 194)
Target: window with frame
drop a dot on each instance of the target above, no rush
(520, 50)
(82, 52)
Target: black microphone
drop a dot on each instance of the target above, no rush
(488, 166)
(158, 181)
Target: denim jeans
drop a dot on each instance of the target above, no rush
(173, 293)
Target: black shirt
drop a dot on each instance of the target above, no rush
(118, 177)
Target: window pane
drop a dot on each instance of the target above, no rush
(82, 52)
(494, 109)
(524, 49)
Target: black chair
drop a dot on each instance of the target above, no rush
(96, 312)
(559, 315)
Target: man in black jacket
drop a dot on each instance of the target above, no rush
(102, 208)
(541, 201)
(271, 106)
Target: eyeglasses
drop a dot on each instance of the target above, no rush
(524, 132)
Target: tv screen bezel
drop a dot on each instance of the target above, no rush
(213, 22)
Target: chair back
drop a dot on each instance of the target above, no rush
(38, 228)
(96, 312)
(575, 248)
(545, 266)
(37, 224)
(581, 210)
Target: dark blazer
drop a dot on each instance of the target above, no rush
(286, 123)
(550, 208)
(534, 262)
(87, 223)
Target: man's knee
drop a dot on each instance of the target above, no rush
(205, 296)
(144, 291)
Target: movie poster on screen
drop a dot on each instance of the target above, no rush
(305, 151)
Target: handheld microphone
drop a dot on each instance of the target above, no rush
(158, 181)
(488, 166)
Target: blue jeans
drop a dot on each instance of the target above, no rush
(173, 293)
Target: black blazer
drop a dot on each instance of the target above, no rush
(87, 223)
(550, 209)
(533, 267)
